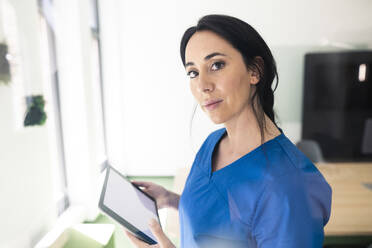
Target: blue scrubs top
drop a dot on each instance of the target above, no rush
(273, 196)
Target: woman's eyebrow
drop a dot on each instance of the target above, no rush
(209, 56)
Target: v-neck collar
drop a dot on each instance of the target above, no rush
(220, 134)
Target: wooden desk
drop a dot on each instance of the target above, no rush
(351, 212)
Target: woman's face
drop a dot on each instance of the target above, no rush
(217, 72)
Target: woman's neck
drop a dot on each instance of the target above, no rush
(243, 133)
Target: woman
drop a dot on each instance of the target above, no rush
(249, 185)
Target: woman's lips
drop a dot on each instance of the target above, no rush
(213, 105)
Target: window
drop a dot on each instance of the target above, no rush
(97, 68)
(50, 71)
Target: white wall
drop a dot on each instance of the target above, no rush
(111, 65)
(157, 101)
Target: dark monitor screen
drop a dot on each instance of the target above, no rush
(337, 104)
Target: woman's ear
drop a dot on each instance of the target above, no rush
(255, 77)
(258, 70)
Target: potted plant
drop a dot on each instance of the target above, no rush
(4, 65)
(35, 114)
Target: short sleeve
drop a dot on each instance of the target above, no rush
(291, 213)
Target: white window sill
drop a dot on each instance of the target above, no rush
(72, 216)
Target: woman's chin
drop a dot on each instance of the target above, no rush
(216, 119)
(215, 115)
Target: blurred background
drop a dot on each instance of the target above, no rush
(90, 83)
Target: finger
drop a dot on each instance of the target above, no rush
(159, 234)
(135, 240)
(141, 183)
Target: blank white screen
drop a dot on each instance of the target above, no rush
(129, 203)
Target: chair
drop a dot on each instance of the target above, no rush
(311, 149)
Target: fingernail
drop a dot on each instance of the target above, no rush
(152, 222)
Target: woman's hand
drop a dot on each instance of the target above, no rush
(163, 197)
(163, 240)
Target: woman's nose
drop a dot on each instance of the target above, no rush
(205, 83)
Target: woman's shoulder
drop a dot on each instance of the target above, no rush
(286, 159)
(292, 173)
(289, 166)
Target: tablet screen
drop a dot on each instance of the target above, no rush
(129, 203)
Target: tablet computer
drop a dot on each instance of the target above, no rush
(127, 204)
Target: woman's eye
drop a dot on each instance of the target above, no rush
(217, 65)
(192, 74)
